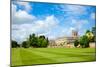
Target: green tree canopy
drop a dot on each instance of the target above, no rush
(14, 44)
(76, 43)
(36, 41)
(25, 44)
(84, 41)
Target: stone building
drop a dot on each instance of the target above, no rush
(62, 42)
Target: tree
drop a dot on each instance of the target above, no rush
(35, 41)
(14, 44)
(94, 33)
(90, 35)
(76, 43)
(47, 41)
(42, 36)
(84, 41)
(42, 41)
(25, 44)
(87, 31)
(32, 41)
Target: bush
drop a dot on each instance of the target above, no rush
(24, 44)
(76, 42)
(84, 41)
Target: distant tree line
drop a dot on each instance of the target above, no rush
(32, 41)
(89, 36)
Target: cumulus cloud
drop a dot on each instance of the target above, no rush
(20, 32)
(21, 16)
(40, 27)
(48, 23)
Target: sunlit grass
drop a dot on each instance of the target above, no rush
(32, 56)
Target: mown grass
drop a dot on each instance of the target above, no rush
(33, 56)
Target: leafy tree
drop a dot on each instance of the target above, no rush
(90, 35)
(47, 41)
(84, 41)
(32, 41)
(87, 31)
(76, 43)
(94, 33)
(43, 37)
(14, 44)
(42, 41)
(25, 44)
(39, 41)
(35, 41)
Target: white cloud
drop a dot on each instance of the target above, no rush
(78, 23)
(26, 5)
(93, 16)
(71, 28)
(41, 27)
(70, 31)
(21, 16)
(48, 23)
(14, 7)
(65, 32)
(20, 32)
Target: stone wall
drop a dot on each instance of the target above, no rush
(92, 45)
(71, 45)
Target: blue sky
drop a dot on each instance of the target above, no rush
(50, 19)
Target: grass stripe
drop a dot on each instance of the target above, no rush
(16, 57)
(70, 54)
(29, 56)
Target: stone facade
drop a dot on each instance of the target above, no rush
(62, 42)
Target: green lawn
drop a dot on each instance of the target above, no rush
(32, 56)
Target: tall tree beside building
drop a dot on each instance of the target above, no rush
(94, 33)
(90, 35)
(84, 41)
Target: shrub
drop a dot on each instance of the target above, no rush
(76, 43)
